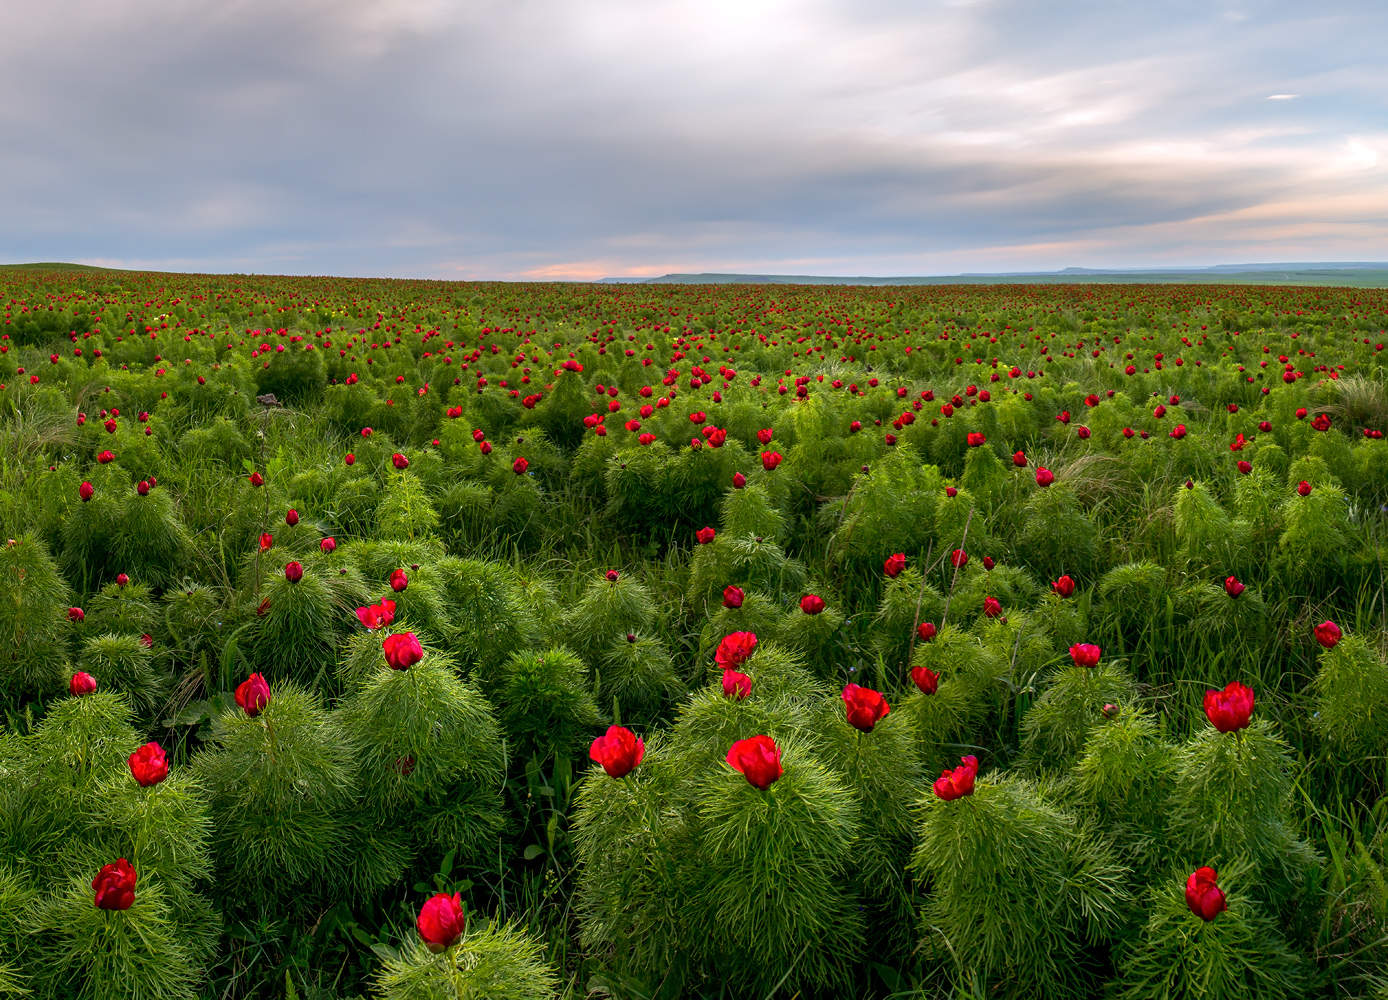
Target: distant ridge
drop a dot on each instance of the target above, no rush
(1359, 274)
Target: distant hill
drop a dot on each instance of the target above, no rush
(1355, 274)
(52, 267)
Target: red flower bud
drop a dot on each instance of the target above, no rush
(105, 457)
(1328, 634)
(149, 765)
(115, 886)
(399, 461)
(398, 580)
(974, 439)
(705, 535)
(732, 597)
(266, 540)
(618, 750)
(764, 435)
(256, 479)
(122, 579)
(991, 607)
(758, 759)
(293, 572)
(142, 488)
(440, 922)
(349, 458)
(1244, 467)
(926, 631)
(291, 517)
(1231, 708)
(85, 491)
(951, 491)
(81, 683)
(328, 545)
(519, 466)
(864, 707)
(1019, 459)
(1303, 488)
(988, 563)
(1205, 899)
(739, 480)
(75, 615)
(959, 782)
(253, 694)
(959, 558)
(926, 679)
(1064, 586)
(402, 650)
(736, 685)
(1044, 477)
(812, 604)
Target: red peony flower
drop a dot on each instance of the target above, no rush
(1064, 586)
(1019, 459)
(122, 579)
(1085, 654)
(293, 571)
(1232, 586)
(618, 751)
(1231, 708)
(758, 759)
(732, 597)
(105, 457)
(734, 650)
(991, 607)
(736, 685)
(812, 604)
(864, 706)
(440, 922)
(399, 461)
(1205, 899)
(1320, 422)
(519, 466)
(149, 765)
(1244, 467)
(926, 631)
(266, 541)
(402, 650)
(959, 782)
(896, 562)
(256, 479)
(770, 459)
(705, 535)
(253, 694)
(739, 480)
(75, 615)
(975, 439)
(81, 683)
(764, 435)
(85, 491)
(291, 517)
(115, 886)
(328, 545)
(1303, 488)
(959, 558)
(925, 679)
(349, 458)
(1328, 634)
(398, 580)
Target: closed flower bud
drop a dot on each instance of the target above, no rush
(812, 604)
(959, 558)
(142, 488)
(149, 765)
(612, 576)
(85, 491)
(266, 541)
(1205, 899)
(732, 597)
(739, 480)
(1303, 488)
(926, 679)
(402, 650)
(758, 759)
(398, 580)
(519, 466)
(736, 685)
(293, 572)
(328, 545)
(291, 517)
(926, 631)
(253, 694)
(1328, 634)
(1019, 459)
(951, 785)
(705, 535)
(1044, 476)
(440, 922)
(992, 608)
(1230, 709)
(618, 750)
(115, 886)
(81, 683)
(974, 439)
(256, 479)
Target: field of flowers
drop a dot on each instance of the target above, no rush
(419, 640)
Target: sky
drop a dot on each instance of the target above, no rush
(578, 139)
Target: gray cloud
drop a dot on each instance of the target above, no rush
(424, 137)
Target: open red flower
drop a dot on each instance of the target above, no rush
(896, 562)
(992, 608)
(1085, 654)
(441, 921)
(1328, 634)
(402, 650)
(75, 615)
(373, 616)
(519, 465)
(864, 707)
(959, 558)
(399, 461)
(1231, 708)
(1064, 586)
(758, 759)
(256, 479)
(1205, 899)
(149, 765)
(926, 679)
(975, 439)
(1232, 586)
(736, 685)
(618, 750)
(705, 535)
(81, 683)
(812, 604)
(732, 597)
(951, 785)
(328, 545)
(115, 886)
(253, 694)
(770, 459)
(734, 650)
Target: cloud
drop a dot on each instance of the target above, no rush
(528, 138)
